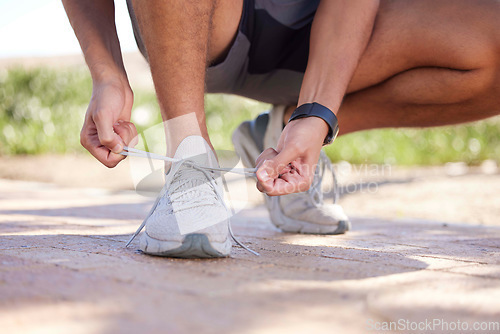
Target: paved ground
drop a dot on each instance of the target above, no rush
(64, 268)
(424, 247)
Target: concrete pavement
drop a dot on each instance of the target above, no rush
(64, 269)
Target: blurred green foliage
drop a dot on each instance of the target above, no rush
(41, 110)
(471, 143)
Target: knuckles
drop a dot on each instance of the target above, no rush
(105, 141)
(266, 154)
(269, 150)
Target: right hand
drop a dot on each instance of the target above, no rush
(107, 127)
(290, 168)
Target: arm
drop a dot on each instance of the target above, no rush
(94, 24)
(339, 35)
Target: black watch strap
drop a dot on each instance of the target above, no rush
(319, 110)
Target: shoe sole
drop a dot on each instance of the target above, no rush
(246, 151)
(193, 246)
(296, 226)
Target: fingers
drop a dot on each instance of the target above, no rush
(103, 134)
(265, 155)
(107, 137)
(282, 173)
(89, 139)
(274, 163)
(264, 181)
(127, 132)
(288, 182)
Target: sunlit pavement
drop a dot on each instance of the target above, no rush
(64, 269)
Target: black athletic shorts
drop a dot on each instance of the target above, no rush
(269, 55)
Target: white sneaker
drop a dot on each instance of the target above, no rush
(189, 219)
(303, 212)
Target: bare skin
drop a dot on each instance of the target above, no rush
(423, 63)
(338, 25)
(179, 42)
(427, 63)
(107, 126)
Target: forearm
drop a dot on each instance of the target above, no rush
(94, 24)
(340, 32)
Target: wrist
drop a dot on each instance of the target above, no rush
(308, 131)
(103, 73)
(318, 111)
(332, 102)
(115, 85)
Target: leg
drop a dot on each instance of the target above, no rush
(189, 218)
(428, 63)
(181, 37)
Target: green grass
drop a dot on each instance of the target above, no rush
(41, 111)
(472, 143)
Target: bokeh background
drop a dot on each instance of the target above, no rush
(45, 88)
(65, 218)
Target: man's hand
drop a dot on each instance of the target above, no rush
(339, 35)
(107, 127)
(290, 168)
(107, 124)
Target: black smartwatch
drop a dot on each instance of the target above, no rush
(319, 110)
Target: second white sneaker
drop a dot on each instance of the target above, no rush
(304, 212)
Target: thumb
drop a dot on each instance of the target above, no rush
(127, 132)
(107, 136)
(272, 168)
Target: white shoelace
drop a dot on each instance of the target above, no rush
(184, 203)
(133, 152)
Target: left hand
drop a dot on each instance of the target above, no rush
(107, 127)
(290, 168)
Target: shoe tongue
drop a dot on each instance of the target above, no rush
(196, 148)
